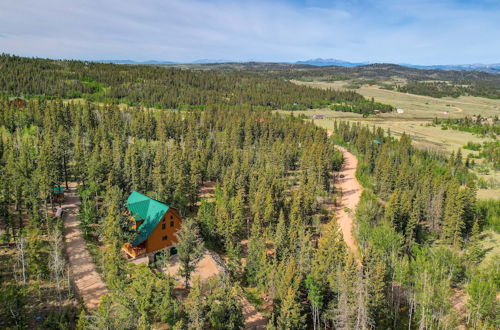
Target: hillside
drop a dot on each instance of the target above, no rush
(432, 82)
(156, 85)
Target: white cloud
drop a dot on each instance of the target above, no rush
(182, 30)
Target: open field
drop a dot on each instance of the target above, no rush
(419, 106)
(418, 113)
(490, 242)
(426, 137)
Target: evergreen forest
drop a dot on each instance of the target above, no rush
(270, 216)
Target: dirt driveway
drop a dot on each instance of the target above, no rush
(351, 193)
(84, 275)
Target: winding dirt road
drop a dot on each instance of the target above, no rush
(351, 193)
(84, 275)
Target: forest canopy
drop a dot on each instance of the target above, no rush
(157, 86)
(271, 215)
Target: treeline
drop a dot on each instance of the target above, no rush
(155, 86)
(473, 124)
(365, 107)
(452, 89)
(430, 82)
(420, 219)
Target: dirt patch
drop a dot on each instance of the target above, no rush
(253, 318)
(351, 193)
(84, 275)
(206, 268)
(458, 301)
(207, 190)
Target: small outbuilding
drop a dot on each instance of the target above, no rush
(319, 117)
(58, 194)
(376, 112)
(400, 111)
(19, 102)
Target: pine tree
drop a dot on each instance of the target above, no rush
(315, 297)
(290, 316)
(330, 254)
(37, 267)
(224, 308)
(281, 243)
(412, 228)
(453, 223)
(112, 231)
(257, 263)
(195, 306)
(234, 260)
(190, 249)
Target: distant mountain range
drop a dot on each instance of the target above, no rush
(330, 62)
(490, 68)
(151, 62)
(155, 62)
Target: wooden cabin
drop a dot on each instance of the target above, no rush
(155, 222)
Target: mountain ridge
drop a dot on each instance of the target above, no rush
(320, 62)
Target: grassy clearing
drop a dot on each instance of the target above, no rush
(419, 106)
(426, 137)
(121, 106)
(490, 242)
(488, 194)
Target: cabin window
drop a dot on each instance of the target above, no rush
(163, 225)
(171, 217)
(172, 223)
(164, 238)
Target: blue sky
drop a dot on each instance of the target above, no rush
(397, 31)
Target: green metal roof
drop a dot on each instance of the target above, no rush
(144, 208)
(57, 190)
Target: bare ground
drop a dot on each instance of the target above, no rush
(205, 269)
(253, 318)
(84, 275)
(351, 193)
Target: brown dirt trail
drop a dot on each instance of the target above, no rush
(84, 275)
(351, 193)
(254, 320)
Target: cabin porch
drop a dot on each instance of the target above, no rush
(134, 251)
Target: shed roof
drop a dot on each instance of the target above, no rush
(58, 190)
(144, 208)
